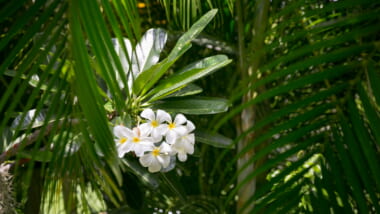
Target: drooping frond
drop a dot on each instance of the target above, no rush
(317, 145)
(53, 55)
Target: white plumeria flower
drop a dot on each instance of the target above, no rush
(176, 128)
(157, 157)
(121, 133)
(185, 144)
(155, 125)
(137, 141)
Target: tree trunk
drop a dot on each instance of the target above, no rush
(248, 66)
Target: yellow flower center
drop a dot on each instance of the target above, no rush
(171, 125)
(123, 140)
(154, 123)
(136, 140)
(156, 152)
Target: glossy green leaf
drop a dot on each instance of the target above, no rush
(192, 33)
(187, 75)
(148, 178)
(213, 139)
(193, 105)
(32, 119)
(190, 89)
(140, 58)
(149, 48)
(149, 77)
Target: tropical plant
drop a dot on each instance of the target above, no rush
(67, 84)
(304, 116)
(307, 124)
(316, 149)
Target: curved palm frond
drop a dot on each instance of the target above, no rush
(317, 147)
(52, 100)
(185, 12)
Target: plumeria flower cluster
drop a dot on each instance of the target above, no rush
(157, 140)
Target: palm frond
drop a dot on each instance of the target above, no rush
(325, 117)
(50, 76)
(185, 12)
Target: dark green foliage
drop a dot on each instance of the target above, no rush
(308, 71)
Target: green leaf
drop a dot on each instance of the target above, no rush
(41, 156)
(194, 105)
(365, 144)
(147, 178)
(149, 48)
(372, 115)
(192, 33)
(32, 119)
(190, 89)
(213, 139)
(5, 138)
(109, 107)
(374, 79)
(149, 77)
(350, 169)
(140, 58)
(188, 74)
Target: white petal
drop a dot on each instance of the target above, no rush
(165, 161)
(180, 119)
(163, 129)
(145, 129)
(156, 135)
(148, 114)
(165, 148)
(122, 149)
(189, 139)
(127, 147)
(180, 130)
(190, 126)
(163, 116)
(182, 156)
(129, 134)
(146, 160)
(146, 141)
(177, 147)
(171, 137)
(189, 148)
(154, 167)
(121, 131)
(140, 149)
(120, 153)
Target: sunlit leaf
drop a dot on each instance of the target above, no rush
(149, 77)
(187, 75)
(195, 105)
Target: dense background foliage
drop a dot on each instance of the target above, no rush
(304, 107)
